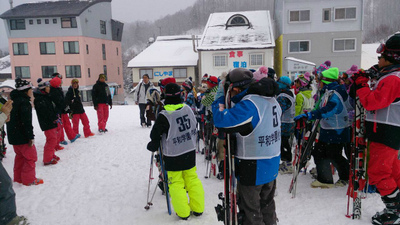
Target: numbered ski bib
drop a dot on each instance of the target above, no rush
(265, 140)
(182, 132)
(288, 115)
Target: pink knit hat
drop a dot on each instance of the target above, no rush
(260, 73)
(352, 70)
(304, 79)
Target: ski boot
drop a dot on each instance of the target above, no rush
(391, 214)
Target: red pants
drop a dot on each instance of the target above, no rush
(24, 163)
(85, 122)
(51, 144)
(383, 168)
(102, 115)
(67, 126)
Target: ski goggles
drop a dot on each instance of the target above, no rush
(382, 48)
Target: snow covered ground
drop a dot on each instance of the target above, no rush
(103, 180)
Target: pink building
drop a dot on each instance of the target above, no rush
(78, 39)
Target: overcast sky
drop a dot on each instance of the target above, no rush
(122, 10)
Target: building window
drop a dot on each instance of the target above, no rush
(20, 48)
(146, 71)
(220, 60)
(343, 45)
(180, 73)
(73, 71)
(22, 72)
(86, 96)
(54, 21)
(47, 48)
(345, 13)
(326, 15)
(237, 20)
(46, 21)
(103, 27)
(47, 71)
(105, 70)
(87, 49)
(299, 46)
(18, 24)
(117, 51)
(39, 21)
(256, 59)
(88, 72)
(30, 22)
(71, 47)
(103, 48)
(68, 22)
(299, 16)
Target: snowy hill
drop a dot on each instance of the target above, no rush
(103, 180)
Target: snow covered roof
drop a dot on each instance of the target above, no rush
(219, 35)
(5, 65)
(49, 9)
(167, 51)
(369, 55)
(300, 61)
(8, 84)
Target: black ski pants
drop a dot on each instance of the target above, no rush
(258, 204)
(286, 149)
(327, 153)
(7, 197)
(143, 119)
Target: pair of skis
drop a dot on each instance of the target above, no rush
(227, 212)
(303, 156)
(357, 179)
(163, 174)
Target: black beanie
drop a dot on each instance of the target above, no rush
(265, 87)
(271, 73)
(172, 94)
(392, 52)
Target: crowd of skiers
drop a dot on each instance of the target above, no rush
(266, 115)
(54, 112)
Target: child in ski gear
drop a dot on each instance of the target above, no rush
(287, 103)
(304, 100)
(212, 87)
(255, 120)
(47, 118)
(175, 128)
(101, 100)
(383, 128)
(20, 134)
(73, 100)
(334, 130)
(8, 209)
(140, 98)
(57, 96)
(188, 96)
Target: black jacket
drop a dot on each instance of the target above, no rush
(101, 94)
(73, 100)
(45, 110)
(57, 96)
(19, 128)
(177, 163)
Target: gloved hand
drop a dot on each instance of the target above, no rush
(305, 115)
(95, 107)
(31, 142)
(110, 106)
(152, 147)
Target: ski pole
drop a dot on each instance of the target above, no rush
(150, 178)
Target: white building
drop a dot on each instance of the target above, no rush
(236, 39)
(168, 56)
(316, 31)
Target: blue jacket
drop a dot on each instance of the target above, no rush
(243, 118)
(333, 106)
